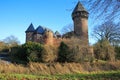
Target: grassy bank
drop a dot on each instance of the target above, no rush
(108, 75)
(100, 70)
(58, 68)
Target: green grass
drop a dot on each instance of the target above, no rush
(109, 75)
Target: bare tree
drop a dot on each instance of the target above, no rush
(107, 31)
(100, 11)
(103, 10)
(67, 28)
(11, 40)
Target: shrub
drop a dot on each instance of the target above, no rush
(63, 52)
(29, 51)
(33, 57)
(34, 52)
(117, 50)
(104, 51)
(80, 54)
(4, 47)
(78, 50)
(49, 54)
(32, 48)
(18, 53)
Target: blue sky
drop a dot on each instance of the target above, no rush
(16, 16)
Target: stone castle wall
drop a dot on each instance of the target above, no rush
(29, 36)
(38, 38)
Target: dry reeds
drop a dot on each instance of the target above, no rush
(58, 68)
(12, 68)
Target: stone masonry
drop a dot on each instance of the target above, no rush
(46, 36)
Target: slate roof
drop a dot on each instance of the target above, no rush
(40, 30)
(79, 7)
(30, 28)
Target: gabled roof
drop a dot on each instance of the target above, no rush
(79, 7)
(30, 28)
(57, 33)
(40, 30)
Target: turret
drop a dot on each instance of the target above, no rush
(29, 33)
(80, 20)
(79, 11)
(48, 37)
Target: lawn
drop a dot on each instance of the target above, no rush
(107, 75)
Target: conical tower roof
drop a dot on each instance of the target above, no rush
(79, 7)
(30, 28)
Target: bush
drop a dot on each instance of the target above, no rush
(79, 51)
(117, 50)
(49, 54)
(34, 52)
(18, 53)
(104, 51)
(63, 52)
(29, 51)
(80, 54)
(32, 48)
(4, 47)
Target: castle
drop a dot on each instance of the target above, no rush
(47, 36)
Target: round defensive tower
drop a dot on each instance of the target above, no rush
(48, 37)
(80, 20)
